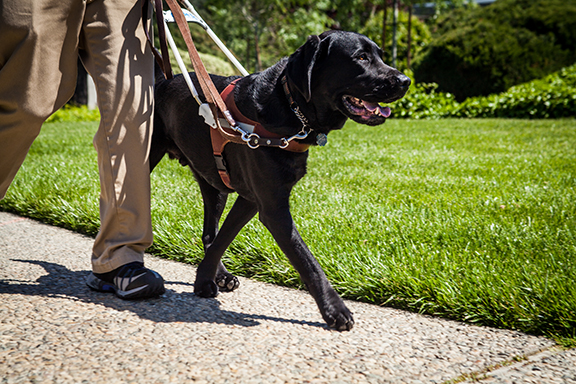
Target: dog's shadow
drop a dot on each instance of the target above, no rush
(173, 306)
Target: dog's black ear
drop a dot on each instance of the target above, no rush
(301, 63)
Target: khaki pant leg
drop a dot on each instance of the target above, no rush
(115, 53)
(38, 68)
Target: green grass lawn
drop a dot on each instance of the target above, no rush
(472, 220)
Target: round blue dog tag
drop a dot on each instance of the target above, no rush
(321, 139)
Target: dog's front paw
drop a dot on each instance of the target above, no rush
(206, 288)
(341, 320)
(336, 314)
(227, 282)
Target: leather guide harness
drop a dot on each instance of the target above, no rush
(228, 129)
(259, 136)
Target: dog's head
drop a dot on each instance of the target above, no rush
(344, 72)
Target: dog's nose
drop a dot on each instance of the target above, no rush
(403, 81)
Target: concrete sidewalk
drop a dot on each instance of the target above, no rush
(54, 329)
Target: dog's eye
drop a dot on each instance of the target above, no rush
(363, 57)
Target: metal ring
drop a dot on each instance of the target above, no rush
(253, 141)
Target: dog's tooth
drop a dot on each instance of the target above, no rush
(370, 106)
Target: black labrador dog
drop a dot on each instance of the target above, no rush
(332, 77)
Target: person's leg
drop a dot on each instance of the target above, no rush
(116, 55)
(38, 65)
(115, 52)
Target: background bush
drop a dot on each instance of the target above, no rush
(74, 113)
(553, 96)
(487, 50)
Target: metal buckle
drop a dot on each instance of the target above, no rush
(220, 162)
(299, 136)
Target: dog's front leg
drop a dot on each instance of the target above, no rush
(211, 272)
(279, 222)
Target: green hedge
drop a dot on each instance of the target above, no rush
(553, 96)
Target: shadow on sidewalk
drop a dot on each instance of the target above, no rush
(60, 282)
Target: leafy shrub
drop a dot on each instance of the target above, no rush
(73, 113)
(553, 96)
(482, 51)
(424, 101)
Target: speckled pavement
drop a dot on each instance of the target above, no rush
(53, 329)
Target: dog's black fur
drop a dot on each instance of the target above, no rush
(327, 76)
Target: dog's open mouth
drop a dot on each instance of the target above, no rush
(364, 109)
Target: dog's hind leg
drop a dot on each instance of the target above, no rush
(214, 204)
(212, 276)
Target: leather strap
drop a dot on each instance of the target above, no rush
(163, 59)
(218, 144)
(210, 92)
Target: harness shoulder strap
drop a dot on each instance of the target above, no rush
(210, 92)
(220, 138)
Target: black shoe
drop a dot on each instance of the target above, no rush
(129, 282)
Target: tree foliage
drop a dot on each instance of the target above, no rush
(420, 35)
(260, 32)
(488, 50)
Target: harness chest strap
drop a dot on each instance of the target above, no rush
(223, 135)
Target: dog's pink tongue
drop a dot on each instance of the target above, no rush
(384, 111)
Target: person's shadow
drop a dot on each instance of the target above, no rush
(171, 307)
